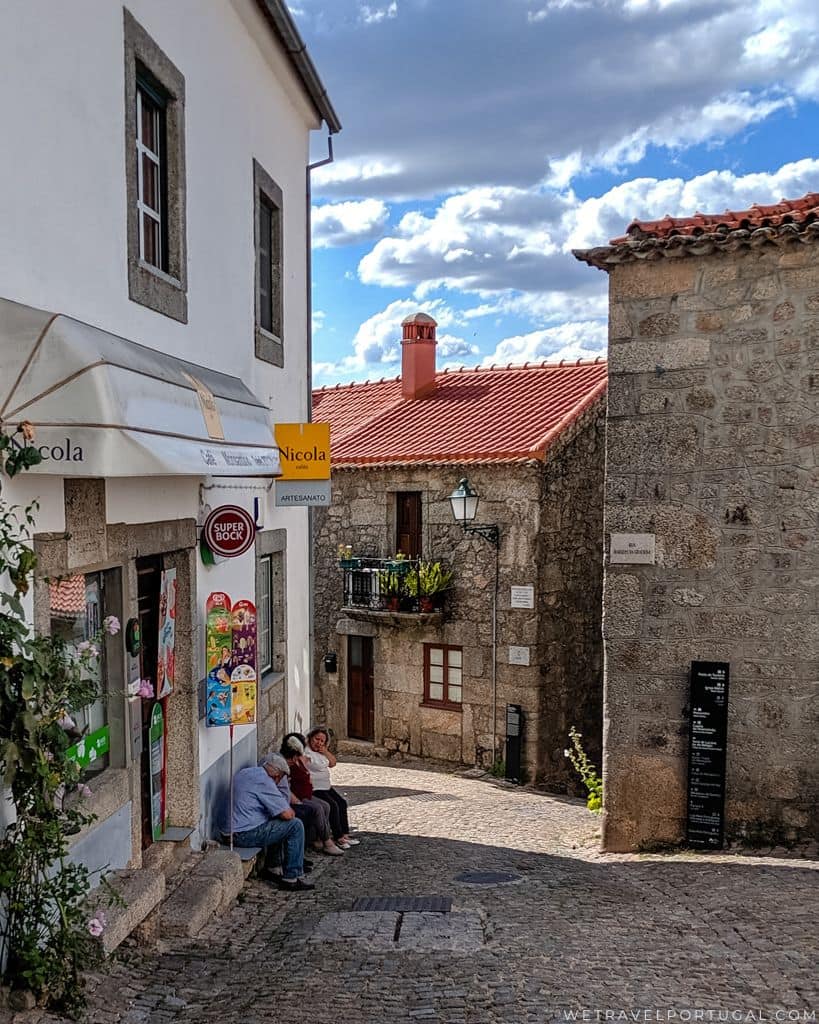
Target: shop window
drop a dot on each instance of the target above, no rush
(443, 676)
(77, 608)
(408, 523)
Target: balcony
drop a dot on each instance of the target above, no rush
(394, 589)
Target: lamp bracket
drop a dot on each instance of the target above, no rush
(489, 533)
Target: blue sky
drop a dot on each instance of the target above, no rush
(484, 139)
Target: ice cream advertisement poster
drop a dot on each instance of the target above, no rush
(231, 660)
(166, 655)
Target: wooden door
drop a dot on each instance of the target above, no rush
(360, 700)
(408, 523)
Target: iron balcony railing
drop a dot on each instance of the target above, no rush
(386, 584)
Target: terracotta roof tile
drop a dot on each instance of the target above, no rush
(781, 224)
(504, 414)
(788, 211)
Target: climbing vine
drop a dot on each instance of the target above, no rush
(45, 931)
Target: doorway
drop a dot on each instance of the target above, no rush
(149, 578)
(360, 695)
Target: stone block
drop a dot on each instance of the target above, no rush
(438, 720)
(659, 325)
(650, 444)
(141, 890)
(441, 747)
(623, 605)
(671, 354)
(649, 280)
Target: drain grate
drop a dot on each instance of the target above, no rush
(405, 904)
(487, 877)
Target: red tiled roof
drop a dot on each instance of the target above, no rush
(502, 414)
(782, 224)
(788, 211)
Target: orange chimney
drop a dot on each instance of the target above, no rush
(418, 356)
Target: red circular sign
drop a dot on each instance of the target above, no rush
(229, 531)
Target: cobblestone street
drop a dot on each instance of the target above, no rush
(575, 930)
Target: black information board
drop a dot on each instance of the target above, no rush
(706, 754)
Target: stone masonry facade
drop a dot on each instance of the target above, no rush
(550, 519)
(713, 440)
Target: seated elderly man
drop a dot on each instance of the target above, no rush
(262, 816)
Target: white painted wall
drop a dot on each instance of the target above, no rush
(63, 216)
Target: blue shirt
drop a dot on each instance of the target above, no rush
(256, 799)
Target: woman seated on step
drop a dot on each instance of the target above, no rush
(292, 750)
(319, 763)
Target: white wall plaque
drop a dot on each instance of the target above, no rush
(522, 597)
(518, 655)
(636, 548)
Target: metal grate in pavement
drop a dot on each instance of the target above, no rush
(487, 877)
(405, 904)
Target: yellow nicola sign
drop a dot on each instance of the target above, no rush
(304, 450)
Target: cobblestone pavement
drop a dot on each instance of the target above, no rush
(578, 930)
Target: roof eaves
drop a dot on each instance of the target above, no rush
(540, 449)
(288, 35)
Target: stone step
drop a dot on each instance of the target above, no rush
(172, 847)
(214, 882)
(141, 890)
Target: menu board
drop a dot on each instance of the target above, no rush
(707, 754)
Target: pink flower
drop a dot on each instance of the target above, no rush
(84, 646)
(83, 790)
(95, 926)
(146, 689)
(111, 625)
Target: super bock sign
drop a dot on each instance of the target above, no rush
(229, 531)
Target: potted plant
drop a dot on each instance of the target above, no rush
(429, 583)
(389, 588)
(345, 557)
(398, 564)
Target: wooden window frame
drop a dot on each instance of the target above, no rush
(265, 573)
(146, 92)
(268, 201)
(445, 704)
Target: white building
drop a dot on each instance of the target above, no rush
(154, 282)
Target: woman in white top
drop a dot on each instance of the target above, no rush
(319, 763)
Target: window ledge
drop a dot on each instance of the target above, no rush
(110, 790)
(269, 348)
(270, 679)
(441, 705)
(174, 282)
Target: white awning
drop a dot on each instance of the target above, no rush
(103, 406)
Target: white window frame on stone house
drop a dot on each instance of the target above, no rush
(152, 207)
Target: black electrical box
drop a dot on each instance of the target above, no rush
(514, 742)
(330, 662)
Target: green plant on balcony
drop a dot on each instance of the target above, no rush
(428, 583)
(345, 557)
(390, 589)
(399, 564)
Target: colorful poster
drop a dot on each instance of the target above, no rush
(156, 740)
(243, 620)
(218, 631)
(231, 661)
(165, 661)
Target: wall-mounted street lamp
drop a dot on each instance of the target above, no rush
(464, 502)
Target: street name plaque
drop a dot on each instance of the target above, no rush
(706, 754)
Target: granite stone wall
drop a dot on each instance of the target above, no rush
(713, 438)
(550, 519)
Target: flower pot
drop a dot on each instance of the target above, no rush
(427, 604)
(393, 604)
(350, 563)
(400, 567)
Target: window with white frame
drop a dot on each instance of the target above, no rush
(443, 675)
(264, 613)
(151, 177)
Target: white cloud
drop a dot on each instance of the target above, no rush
(566, 85)
(349, 223)
(374, 15)
(512, 246)
(319, 316)
(573, 340)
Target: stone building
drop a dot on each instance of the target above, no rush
(432, 682)
(712, 443)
